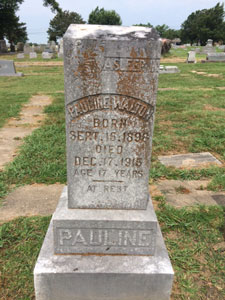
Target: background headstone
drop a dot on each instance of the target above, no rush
(191, 57)
(209, 47)
(47, 55)
(27, 49)
(33, 55)
(20, 47)
(7, 68)
(60, 53)
(20, 55)
(3, 47)
(168, 69)
(52, 46)
(215, 57)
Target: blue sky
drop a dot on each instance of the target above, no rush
(170, 12)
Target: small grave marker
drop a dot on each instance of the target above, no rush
(193, 160)
(33, 55)
(191, 57)
(7, 68)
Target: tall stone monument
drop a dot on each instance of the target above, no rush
(209, 47)
(104, 241)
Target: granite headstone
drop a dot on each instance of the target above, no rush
(3, 47)
(33, 55)
(215, 57)
(20, 47)
(47, 55)
(209, 47)
(7, 68)
(20, 55)
(27, 49)
(191, 57)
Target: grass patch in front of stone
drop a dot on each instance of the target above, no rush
(191, 236)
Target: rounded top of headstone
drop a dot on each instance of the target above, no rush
(110, 32)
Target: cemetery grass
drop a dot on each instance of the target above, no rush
(193, 237)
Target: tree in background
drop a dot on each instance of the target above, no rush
(163, 30)
(144, 25)
(166, 32)
(10, 27)
(53, 4)
(60, 23)
(104, 17)
(203, 25)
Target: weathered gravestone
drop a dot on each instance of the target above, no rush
(27, 49)
(60, 53)
(20, 47)
(20, 55)
(104, 241)
(191, 57)
(33, 55)
(209, 47)
(3, 47)
(47, 55)
(215, 57)
(7, 68)
(168, 69)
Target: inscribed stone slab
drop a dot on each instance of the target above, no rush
(101, 277)
(110, 81)
(104, 231)
(189, 160)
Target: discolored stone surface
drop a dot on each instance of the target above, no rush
(110, 81)
(192, 160)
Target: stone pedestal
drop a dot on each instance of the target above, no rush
(101, 277)
(104, 240)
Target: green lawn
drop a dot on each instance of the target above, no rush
(190, 117)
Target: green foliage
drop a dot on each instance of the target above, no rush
(166, 32)
(55, 8)
(144, 25)
(10, 27)
(163, 30)
(60, 23)
(104, 17)
(203, 25)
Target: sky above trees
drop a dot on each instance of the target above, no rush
(172, 13)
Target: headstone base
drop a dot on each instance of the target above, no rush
(19, 74)
(103, 231)
(102, 277)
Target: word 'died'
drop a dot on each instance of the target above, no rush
(110, 102)
(105, 237)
